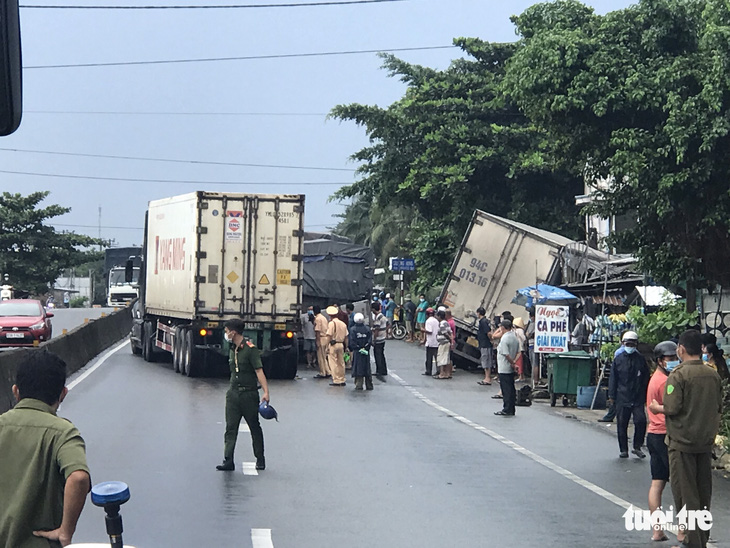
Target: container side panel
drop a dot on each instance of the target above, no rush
(171, 266)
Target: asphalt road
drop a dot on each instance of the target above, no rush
(416, 462)
(70, 318)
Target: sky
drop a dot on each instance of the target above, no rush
(269, 112)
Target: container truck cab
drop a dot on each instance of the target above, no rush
(122, 288)
(209, 257)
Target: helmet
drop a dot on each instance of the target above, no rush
(441, 308)
(267, 411)
(630, 336)
(665, 348)
(332, 310)
(359, 318)
(429, 311)
(388, 296)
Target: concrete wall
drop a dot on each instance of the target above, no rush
(76, 348)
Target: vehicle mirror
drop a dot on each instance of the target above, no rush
(11, 89)
(129, 271)
(49, 314)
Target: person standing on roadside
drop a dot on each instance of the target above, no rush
(44, 477)
(242, 398)
(430, 330)
(380, 333)
(507, 352)
(410, 310)
(485, 347)
(518, 328)
(692, 407)
(445, 341)
(627, 391)
(530, 334)
(320, 330)
(337, 338)
(389, 312)
(421, 318)
(665, 355)
(360, 341)
(310, 338)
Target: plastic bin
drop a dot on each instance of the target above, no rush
(584, 398)
(566, 372)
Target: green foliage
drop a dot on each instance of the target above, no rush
(638, 97)
(450, 145)
(725, 421)
(33, 254)
(608, 350)
(78, 302)
(670, 321)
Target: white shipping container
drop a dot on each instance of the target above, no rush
(496, 258)
(220, 256)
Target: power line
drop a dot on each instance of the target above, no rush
(176, 181)
(140, 113)
(213, 6)
(170, 160)
(242, 58)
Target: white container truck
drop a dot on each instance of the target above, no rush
(496, 258)
(210, 257)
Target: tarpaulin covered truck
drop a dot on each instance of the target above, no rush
(210, 257)
(496, 258)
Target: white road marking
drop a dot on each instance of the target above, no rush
(512, 445)
(243, 427)
(261, 538)
(108, 354)
(249, 469)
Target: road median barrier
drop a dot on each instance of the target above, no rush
(76, 347)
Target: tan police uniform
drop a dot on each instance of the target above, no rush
(320, 328)
(337, 333)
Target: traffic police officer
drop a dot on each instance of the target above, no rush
(242, 398)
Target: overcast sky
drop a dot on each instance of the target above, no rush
(281, 104)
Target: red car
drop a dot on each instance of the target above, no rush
(24, 322)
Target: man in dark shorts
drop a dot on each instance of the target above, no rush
(665, 355)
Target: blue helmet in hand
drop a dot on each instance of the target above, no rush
(267, 411)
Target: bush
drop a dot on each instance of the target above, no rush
(78, 302)
(725, 421)
(670, 321)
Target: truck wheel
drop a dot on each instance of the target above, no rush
(148, 344)
(194, 366)
(177, 349)
(136, 350)
(399, 331)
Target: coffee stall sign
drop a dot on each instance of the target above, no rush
(551, 329)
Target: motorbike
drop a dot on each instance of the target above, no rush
(398, 329)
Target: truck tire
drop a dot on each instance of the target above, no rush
(194, 359)
(282, 363)
(136, 350)
(148, 345)
(177, 349)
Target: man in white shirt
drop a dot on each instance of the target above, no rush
(507, 352)
(431, 329)
(380, 332)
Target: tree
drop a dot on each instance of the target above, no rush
(33, 254)
(453, 144)
(639, 97)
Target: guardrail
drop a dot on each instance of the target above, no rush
(77, 348)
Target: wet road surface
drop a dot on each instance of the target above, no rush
(416, 462)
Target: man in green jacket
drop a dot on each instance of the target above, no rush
(44, 477)
(693, 406)
(242, 398)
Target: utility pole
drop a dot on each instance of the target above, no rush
(99, 227)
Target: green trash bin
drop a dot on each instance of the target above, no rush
(568, 371)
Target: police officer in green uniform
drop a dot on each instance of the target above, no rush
(44, 478)
(242, 398)
(693, 407)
